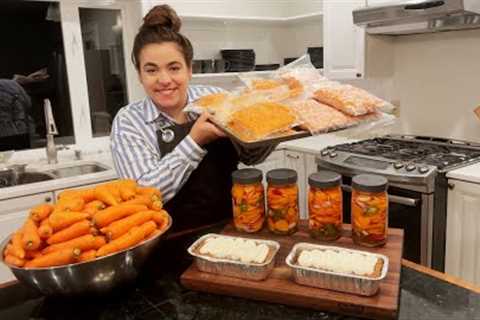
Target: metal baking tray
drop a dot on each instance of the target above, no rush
(350, 283)
(292, 134)
(232, 268)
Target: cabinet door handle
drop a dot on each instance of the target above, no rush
(451, 186)
(292, 156)
(48, 199)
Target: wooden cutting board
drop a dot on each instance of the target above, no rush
(280, 288)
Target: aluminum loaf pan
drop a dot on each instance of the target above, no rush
(350, 283)
(233, 268)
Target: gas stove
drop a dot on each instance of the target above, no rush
(415, 167)
(401, 158)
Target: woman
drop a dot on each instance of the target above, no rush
(158, 144)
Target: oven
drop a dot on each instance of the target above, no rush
(415, 167)
(407, 210)
(411, 200)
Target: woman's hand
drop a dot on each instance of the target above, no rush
(204, 131)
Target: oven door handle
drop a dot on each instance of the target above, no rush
(395, 199)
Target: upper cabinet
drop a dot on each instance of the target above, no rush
(344, 43)
(275, 30)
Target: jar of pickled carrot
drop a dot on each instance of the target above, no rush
(369, 210)
(282, 201)
(325, 207)
(248, 200)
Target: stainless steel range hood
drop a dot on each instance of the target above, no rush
(408, 17)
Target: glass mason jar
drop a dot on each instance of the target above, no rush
(282, 201)
(248, 200)
(369, 210)
(325, 206)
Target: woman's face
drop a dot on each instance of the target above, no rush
(165, 75)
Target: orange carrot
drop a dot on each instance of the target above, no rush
(76, 230)
(139, 199)
(32, 254)
(85, 242)
(15, 261)
(86, 194)
(56, 258)
(161, 218)
(17, 246)
(70, 204)
(103, 193)
(8, 250)
(30, 238)
(150, 191)
(41, 212)
(45, 230)
(105, 217)
(62, 219)
(93, 207)
(131, 238)
(88, 255)
(120, 227)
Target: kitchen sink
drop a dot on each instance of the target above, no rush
(77, 170)
(9, 178)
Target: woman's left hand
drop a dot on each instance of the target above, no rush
(203, 131)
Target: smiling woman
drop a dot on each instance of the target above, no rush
(157, 143)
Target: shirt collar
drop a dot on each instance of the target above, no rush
(152, 113)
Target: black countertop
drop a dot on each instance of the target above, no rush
(157, 294)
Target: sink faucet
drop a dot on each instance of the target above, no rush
(51, 131)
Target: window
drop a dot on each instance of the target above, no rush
(32, 68)
(105, 66)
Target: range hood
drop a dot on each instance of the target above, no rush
(409, 17)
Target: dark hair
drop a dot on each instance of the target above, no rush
(161, 24)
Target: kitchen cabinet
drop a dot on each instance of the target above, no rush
(274, 161)
(381, 2)
(304, 164)
(462, 256)
(344, 43)
(296, 160)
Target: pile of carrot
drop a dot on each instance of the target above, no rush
(85, 224)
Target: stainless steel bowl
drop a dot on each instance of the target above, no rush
(93, 277)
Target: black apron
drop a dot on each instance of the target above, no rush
(205, 197)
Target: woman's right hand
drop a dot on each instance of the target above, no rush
(204, 131)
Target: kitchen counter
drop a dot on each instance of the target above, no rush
(315, 144)
(470, 173)
(104, 160)
(157, 294)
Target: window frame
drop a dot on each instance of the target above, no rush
(76, 69)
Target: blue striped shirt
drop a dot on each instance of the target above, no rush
(135, 150)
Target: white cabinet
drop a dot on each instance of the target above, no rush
(462, 257)
(344, 43)
(381, 2)
(304, 164)
(296, 160)
(13, 214)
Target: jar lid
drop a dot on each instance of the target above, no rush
(281, 176)
(247, 175)
(324, 179)
(369, 183)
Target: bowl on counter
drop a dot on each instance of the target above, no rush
(96, 277)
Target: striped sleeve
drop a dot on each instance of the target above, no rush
(135, 156)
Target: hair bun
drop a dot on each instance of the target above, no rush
(163, 16)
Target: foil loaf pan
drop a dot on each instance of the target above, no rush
(350, 283)
(232, 268)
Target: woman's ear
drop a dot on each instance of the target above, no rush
(190, 72)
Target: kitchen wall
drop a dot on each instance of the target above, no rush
(436, 79)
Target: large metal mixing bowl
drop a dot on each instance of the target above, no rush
(93, 277)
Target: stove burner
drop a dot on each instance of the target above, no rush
(441, 153)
